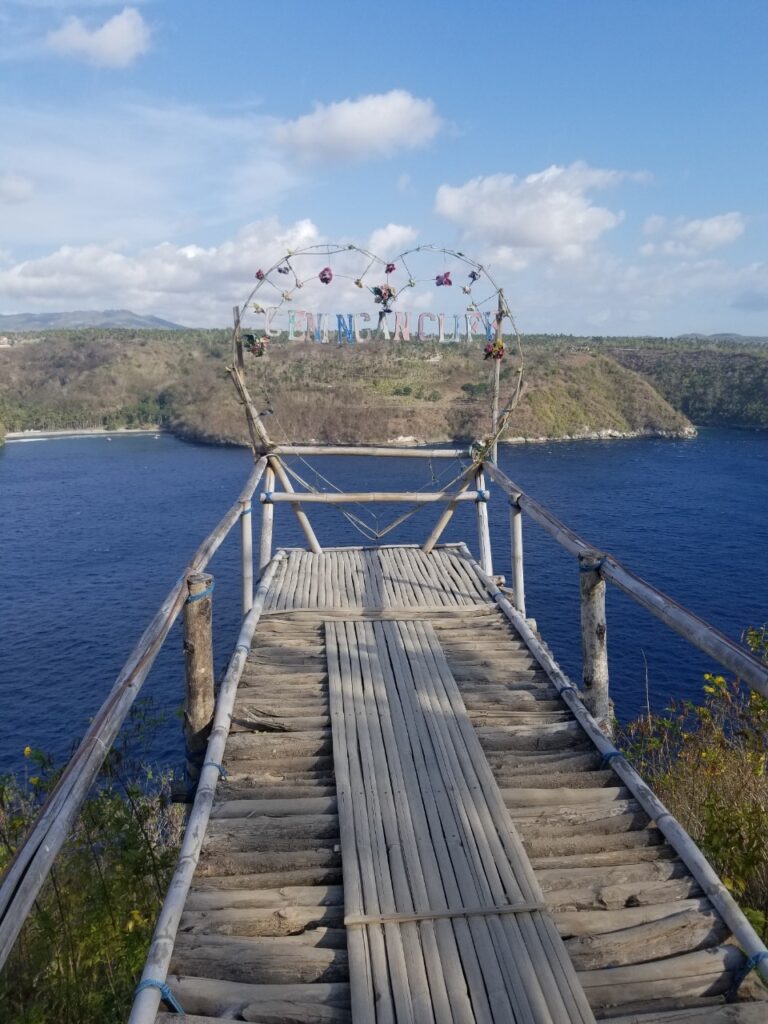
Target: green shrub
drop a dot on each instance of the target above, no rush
(708, 764)
(82, 949)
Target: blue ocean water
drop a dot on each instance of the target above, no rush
(93, 533)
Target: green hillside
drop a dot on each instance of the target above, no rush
(375, 392)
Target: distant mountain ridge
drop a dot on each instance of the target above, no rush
(84, 318)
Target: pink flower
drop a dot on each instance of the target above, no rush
(259, 275)
(443, 279)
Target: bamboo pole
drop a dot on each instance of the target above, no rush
(198, 660)
(672, 830)
(696, 630)
(483, 530)
(33, 860)
(447, 513)
(267, 522)
(146, 1002)
(497, 379)
(238, 340)
(246, 552)
(367, 497)
(279, 471)
(594, 643)
(369, 450)
(518, 577)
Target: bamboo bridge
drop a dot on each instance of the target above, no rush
(404, 810)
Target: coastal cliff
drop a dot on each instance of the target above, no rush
(354, 393)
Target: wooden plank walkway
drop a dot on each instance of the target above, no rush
(262, 937)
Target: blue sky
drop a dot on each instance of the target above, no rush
(606, 159)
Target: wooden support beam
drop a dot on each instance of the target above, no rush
(399, 453)
(198, 659)
(246, 551)
(367, 497)
(267, 522)
(518, 578)
(594, 642)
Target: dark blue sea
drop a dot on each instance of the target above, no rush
(93, 533)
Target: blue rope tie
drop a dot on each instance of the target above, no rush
(246, 512)
(483, 496)
(592, 566)
(203, 593)
(165, 992)
(564, 689)
(608, 756)
(223, 773)
(243, 647)
(740, 977)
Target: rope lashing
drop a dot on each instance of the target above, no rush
(741, 976)
(223, 773)
(608, 756)
(592, 566)
(201, 594)
(483, 496)
(243, 647)
(165, 992)
(246, 512)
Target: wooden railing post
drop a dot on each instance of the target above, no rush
(594, 640)
(198, 657)
(483, 531)
(246, 551)
(516, 533)
(267, 519)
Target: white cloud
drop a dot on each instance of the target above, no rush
(15, 189)
(549, 212)
(189, 283)
(375, 125)
(391, 240)
(165, 179)
(115, 44)
(681, 237)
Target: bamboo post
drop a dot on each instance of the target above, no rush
(246, 550)
(593, 638)
(483, 531)
(238, 340)
(497, 378)
(198, 658)
(267, 521)
(516, 533)
(445, 516)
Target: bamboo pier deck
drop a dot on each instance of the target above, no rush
(398, 760)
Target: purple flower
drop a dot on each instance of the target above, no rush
(326, 275)
(259, 275)
(390, 268)
(443, 279)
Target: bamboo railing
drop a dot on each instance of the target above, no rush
(35, 857)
